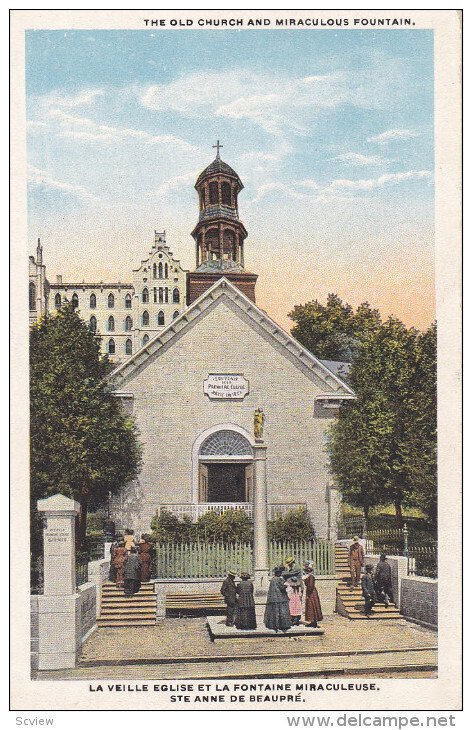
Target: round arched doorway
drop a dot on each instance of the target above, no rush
(225, 469)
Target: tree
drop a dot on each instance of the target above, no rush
(333, 331)
(82, 443)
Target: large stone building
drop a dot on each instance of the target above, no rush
(208, 366)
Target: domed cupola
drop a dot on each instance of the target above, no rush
(219, 234)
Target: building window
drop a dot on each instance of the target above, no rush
(75, 301)
(161, 294)
(111, 324)
(226, 194)
(32, 296)
(176, 314)
(155, 295)
(145, 340)
(145, 319)
(160, 319)
(176, 296)
(128, 301)
(214, 193)
(128, 324)
(128, 347)
(111, 301)
(166, 271)
(154, 271)
(57, 301)
(160, 270)
(166, 295)
(93, 301)
(145, 295)
(111, 347)
(93, 324)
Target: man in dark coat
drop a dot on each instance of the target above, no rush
(228, 591)
(277, 611)
(132, 572)
(356, 561)
(368, 589)
(383, 581)
(246, 608)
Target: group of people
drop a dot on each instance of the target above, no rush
(131, 561)
(376, 585)
(284, 606)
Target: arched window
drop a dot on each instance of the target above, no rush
(160, 270)
(75, 301)
(160, 319)
(93, 324)
(32, 296)
(166, 295)
(154, 271)
(176, 296)
(214, 193)
(145, 340)
(111, 301)
(57, 301)
(111, 347)
(161, 294)
(166, 271)
(226, 194)
(145, 319)
(128, 301)
(111, 324)
(155, 294)
(93, 301)
(129, 347)
(128, 324)
(176, 314)
(145, 295)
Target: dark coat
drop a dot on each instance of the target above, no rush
(277, 612)
(246, 609)
(368, 588)
(383, 574)
(228, 591)
(132, 567)
(146, 552)
(313, 610)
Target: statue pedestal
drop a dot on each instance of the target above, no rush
(261, 546)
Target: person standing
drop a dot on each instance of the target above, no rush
(277, 612)
(228, 591)
(113, 546)
(368, 590)
(313, 612)
(146, 552)
(294, 593)
(246, 608)
(132, 572)
(356, 561)
(119, 555)
(383, 581)
(129, 540)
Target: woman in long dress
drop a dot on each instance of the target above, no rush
(146, 552)
(277, 612)
(132, 572)
(246, 608)
(119, 555)
(313, 612)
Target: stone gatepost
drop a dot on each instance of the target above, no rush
(261, 546)
(59, 639)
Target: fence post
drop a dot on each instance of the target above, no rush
(405, 540)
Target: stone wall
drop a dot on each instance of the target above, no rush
(399, 566)
(86, 613)
(419, 600)
(98, 571)
(34, 631)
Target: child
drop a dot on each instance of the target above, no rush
(294, 593)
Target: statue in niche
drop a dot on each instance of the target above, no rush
(259, 419)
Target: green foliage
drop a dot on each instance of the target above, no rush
(83, 444)
(96, 522)
(293, 525)
(333, 331)
(167, 527)
(233, 525)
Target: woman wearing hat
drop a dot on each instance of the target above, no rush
(246, 608)
(277, 612)
(313, 612)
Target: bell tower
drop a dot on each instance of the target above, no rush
(219, 234)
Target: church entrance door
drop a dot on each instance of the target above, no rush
(226, 483)
(225, 468)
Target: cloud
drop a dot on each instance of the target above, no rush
(41, 178)
(354, 158)
(378, 182)
(393, 134)
(175, 184)
(71, 101)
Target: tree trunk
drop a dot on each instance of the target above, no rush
(398, 514)
(81, 525)
(366, 512)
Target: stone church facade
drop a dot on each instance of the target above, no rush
(195, 385)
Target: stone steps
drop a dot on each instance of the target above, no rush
(117, 609)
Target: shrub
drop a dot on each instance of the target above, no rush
(294, 525)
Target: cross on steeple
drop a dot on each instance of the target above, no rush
(217, 147)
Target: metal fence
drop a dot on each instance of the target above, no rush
(422, 556)
(214, 560)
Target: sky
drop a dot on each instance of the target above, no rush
(331, 132)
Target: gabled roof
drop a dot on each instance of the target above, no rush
(224, 288)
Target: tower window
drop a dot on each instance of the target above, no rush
(160, 270)
(160, 319)
(176, 314)
(111, 324)
(128, 324)
(166, 295)
(145, 295)
(161, 294)
(32, 296)
(226, 194)
(128, 347)
(154, 271)
(155, 295)
(145, 340)
(75, 301)
(111, 347)
(57, 301)
(93, 301)
(214, 193)
(176, 296)
(128, 301)
(93, 324)
(111, 301)
(145, 318)
(166, 271)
